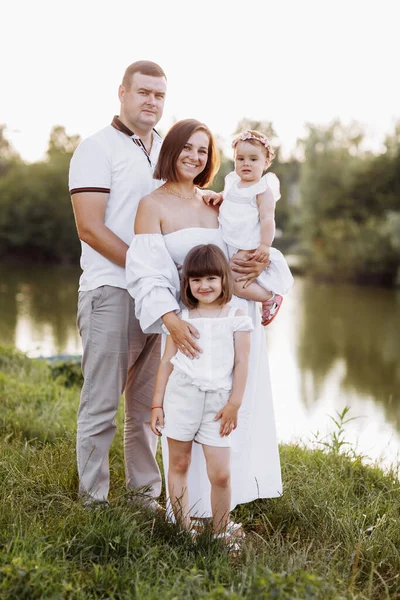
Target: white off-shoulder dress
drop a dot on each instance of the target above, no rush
(239, 219)
(153, 281)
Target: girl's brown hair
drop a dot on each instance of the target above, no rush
(206, 259)
(173, 145)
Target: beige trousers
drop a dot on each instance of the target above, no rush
(117, 357)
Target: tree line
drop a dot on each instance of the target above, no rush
(339, 211)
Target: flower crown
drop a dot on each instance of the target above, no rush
(246, 135)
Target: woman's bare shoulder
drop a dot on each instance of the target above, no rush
(152, 203)
(149, 214)
(152, 199)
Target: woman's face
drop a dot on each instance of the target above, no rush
(193, 157)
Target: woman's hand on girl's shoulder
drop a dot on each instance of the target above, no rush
(182, 334)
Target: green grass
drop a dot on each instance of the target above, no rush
(333, 535)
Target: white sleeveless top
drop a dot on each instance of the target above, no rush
(213, 369)
(239, 216)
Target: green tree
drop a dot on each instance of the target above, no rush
(226, 167)
(61, 144)
(36, 219)
(347, 196)
(8, 155)
(264, 127)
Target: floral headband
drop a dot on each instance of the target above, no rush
(246, 135)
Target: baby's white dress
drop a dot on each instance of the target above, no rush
(153, 280)
(239, 220)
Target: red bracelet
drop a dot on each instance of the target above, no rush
(153, 407)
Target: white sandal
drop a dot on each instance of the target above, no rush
(233, 544)
(236, 530)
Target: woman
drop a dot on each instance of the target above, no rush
(169, 223)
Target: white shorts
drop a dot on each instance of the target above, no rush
(189, 413)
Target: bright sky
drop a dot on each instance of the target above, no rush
(288, 61)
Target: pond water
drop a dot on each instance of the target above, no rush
(331, 346)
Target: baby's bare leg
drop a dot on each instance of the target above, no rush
(254, 291)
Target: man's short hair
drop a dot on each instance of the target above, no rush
(146, 67)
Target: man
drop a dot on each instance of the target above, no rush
(110, 172)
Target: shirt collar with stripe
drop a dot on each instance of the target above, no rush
(117, 124)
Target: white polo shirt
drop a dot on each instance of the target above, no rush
(112, 161)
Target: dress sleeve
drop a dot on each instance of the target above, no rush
(273, 183)
(152, 280)
(242, 323)
(269, 180)
(230, 179)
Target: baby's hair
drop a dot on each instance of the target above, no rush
(203, 260)
(255, 138)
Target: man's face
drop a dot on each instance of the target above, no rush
(142, 105)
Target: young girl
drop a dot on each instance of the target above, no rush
(199, 400)
(248, 224)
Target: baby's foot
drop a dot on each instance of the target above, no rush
(270, 309)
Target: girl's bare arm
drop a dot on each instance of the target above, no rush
(241, 367)
(164, 371)
(229, 414)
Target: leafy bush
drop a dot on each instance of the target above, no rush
(68, 373)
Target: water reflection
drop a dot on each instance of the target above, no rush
(38, 309)
(358, 328)
(335, 346)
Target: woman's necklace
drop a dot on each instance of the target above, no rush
(213, 317)
(180, 195)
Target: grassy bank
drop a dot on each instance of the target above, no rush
(333, 535)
